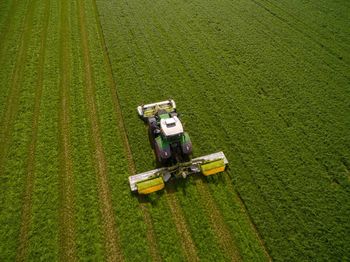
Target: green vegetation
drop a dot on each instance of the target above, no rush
(265, 81)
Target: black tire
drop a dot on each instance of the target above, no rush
(158, 152)
(151, 137)
(186, 157)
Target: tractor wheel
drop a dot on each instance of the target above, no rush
(151, 137)
(162, 156)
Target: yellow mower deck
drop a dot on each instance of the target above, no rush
(213, 167)
(150, 186)
(154, 180)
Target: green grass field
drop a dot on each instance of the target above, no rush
(267, 82)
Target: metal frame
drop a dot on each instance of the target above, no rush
(189, 168)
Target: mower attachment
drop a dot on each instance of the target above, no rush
(151, 181)
(150, 110)
(151, 185)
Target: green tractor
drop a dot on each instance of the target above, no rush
(168, 139)
(173, 150)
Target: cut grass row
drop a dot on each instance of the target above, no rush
(44, 229)
(125, 208)
(66, 180)
(26, 219)
(16, 130)
(155, 256)
(209, 68)
(73, 92)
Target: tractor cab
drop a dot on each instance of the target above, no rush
(171, 127)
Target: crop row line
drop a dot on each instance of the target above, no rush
(22, 251)
(66, 180)
(224, 237)
(113, 251)
(7, 24)
(246, 212)
(16, 78)
(188, 245)
(122, 130)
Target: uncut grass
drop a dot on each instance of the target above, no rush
(280, 138)
(14, 176)
(326, 22)
(253, 134)
(264, 103)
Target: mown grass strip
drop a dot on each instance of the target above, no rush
(217, 221)
(6, 23)
(188, 245)
(44, 236)
(14, 166)
(249, 218)
(16, 79)
(151, 237)
(113, 251)
(131, 166)
(67, 218)
(9, 47)
(89, 229)
(22, 251)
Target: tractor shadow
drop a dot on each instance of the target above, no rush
(152, 199)
(181, 185)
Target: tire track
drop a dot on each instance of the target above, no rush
(12, 100)
(7, 24)
(188, 245)
(22, 251)
(151, 238)
(249, 218)
(66, 183)
(113, 250)
(289, 23)
(237, 195)
(222, 232)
